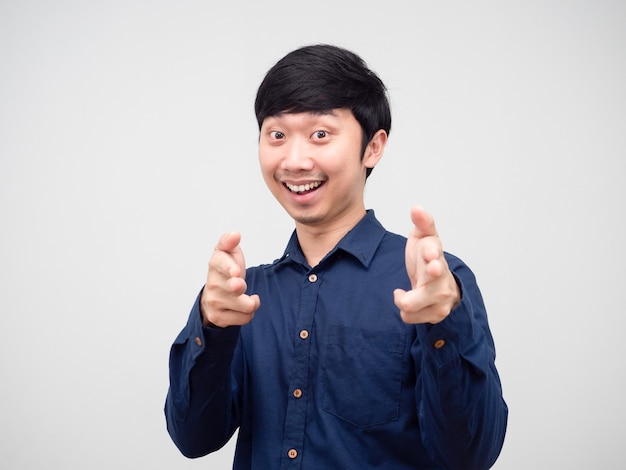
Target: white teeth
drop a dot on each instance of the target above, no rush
(302, 187)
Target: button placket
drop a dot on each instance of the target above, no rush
(295, 418)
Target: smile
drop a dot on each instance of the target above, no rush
(302, 188)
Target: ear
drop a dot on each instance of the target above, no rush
(375, 149)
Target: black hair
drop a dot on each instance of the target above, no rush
(320, 78)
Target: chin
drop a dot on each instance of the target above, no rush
(305, 218)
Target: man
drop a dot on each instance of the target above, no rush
(357, 348)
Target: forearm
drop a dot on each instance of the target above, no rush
(461, 407)
(199, 407)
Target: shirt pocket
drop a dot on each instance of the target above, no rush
(363, 375)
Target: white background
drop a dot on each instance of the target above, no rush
(128, 145)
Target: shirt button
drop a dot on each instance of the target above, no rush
(304, 334)
(439, 344)
(293, 453)
(198, 341)
(297, 393)
(313, 277)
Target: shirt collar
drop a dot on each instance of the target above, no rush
(361, 242)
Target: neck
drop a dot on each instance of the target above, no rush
(317, 241)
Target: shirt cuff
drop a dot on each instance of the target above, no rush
(443, 342)
(209, 343)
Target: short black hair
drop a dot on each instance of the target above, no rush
(320, 78)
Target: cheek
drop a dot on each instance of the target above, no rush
(265, 163)
(268, 171)
(268, 175)
(346, 162)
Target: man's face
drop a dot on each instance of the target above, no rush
(312, 165)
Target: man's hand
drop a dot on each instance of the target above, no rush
(434, 292)
(224, 301)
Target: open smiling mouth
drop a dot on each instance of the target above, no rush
(303, 188)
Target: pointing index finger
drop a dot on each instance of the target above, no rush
(228, 242)
(227, 257)
(424, 224)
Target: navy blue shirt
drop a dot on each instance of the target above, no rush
(328, 376)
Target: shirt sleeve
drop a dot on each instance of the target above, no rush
(200, 411)
(462, 413)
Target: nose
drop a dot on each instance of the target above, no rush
(297, 156)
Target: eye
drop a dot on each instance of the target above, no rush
(277, 135)
(318, 135)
